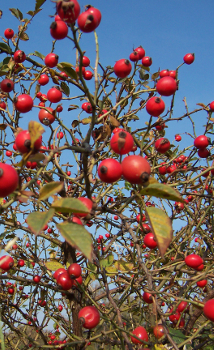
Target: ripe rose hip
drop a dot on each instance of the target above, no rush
(136, 169)
(23, 103)
(193, 260)
(201, 142)
(189, 58)
(6, 262)
(147, 61)
(162, 145)
(19, 56)
(209, 309)
(109, 170)
(89, 317)
(122, 142)
(59, 30)
(8, 33)
(155, 106)
(7, 85)
(8, 180)
(47, 116)
(74, 271)
(122, 68)
(149, 240)
(166, 86)
(51, 60)
(68, 10)
(23, 142)
(43, 80)
(141, 333)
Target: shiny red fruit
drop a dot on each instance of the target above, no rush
(134, 56)
(155, 106)
(76, 220)
(86, 106)
(45, 117)
(182, 306)
(87, 22)
(51, 60)
(23, 103)
(36, 279)
(7, 85)
(85, 61)
(68, 10)
(19, 56)
(189, 58)
(163, 169)
(173, 74)
(193, 260)
(3, 105)
(122, 142)
(64, 281)
(9, 179)
(164, 73)
(8, 33)
(23, 142)
(209, 309)
(175, 317)
(122, 68)
(146, 61)
(202, 283)
(212, 106)
(74, 271)
(140, 51)
(54, 95)
(6, 262)
(159, 331)
(147, 297)
(141, 333)
(201, 142)
(162, 145)
(58, 272)
(166, 86)
(59, 30)
(95, 13)
(136, 169)
(43, 80)
(109, 170)
(79, 280)
(89, 316)
(203, 153)
(149, 241)
(88, 75)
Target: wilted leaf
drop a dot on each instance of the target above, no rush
(161, 227)
(161, 191)
(123, 266)
(113, 121)
(72, 107)
(65, 88)
(86, 121)
(53, 265)
(3, 126)
(69, 205)
(37, 157)
(108, 261)
(155, 75)
(39, 3)
(38, 54)
(37, 220)
(203, 106)
(75, 123)
(24, 36)
(78, 237)
(50, 189)
(35, 130)
(17, 13)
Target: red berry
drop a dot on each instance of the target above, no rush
(141, 52)
(149, 240)
(23, 103)
(88, 75)
(162, 145)
(122, 68)
(43, 80)
(109, 170)
(58, 272)
(8, 33)
(86, 106)
(37, 279)
(8, 179)
(59, 30)
(189, 58)
(147, 61)
(136, 169)
(7, 85)
(209, 309)
(51, 60)
(178, 138)
(141, 333)
(54, 95)
(68, 10)
(159, 331)
(87, 22)
(202, 283)
(182, 306)
(23, 142)
(122, 142)
(89, 316)
(164, 73)
(166, 86)
(155, 106)
(85, 61)
(19, 56)
(201, 142)
(64, 281)
(147, 297)
(6, 262)
(74, 271)
(134, 56)
(193, 260)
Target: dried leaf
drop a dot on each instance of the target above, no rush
(35, 130)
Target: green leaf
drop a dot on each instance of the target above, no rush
(50, 189)
(5, 47)
(38, 54)
(78, 237)
(92, 267)
(108, 261)
(177, 335)
(69, 205)
(112, 270)
(53, 265)
(37, 220)
(123, 266)
(161, 227)
(65, 88)
(6, 60)
(17, 13)
(39, 3)
(67, 68)
(162, 191)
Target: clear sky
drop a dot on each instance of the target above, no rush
(167, 30)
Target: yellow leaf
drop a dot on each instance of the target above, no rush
(35, 130)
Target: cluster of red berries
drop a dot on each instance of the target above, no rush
(68, 278)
